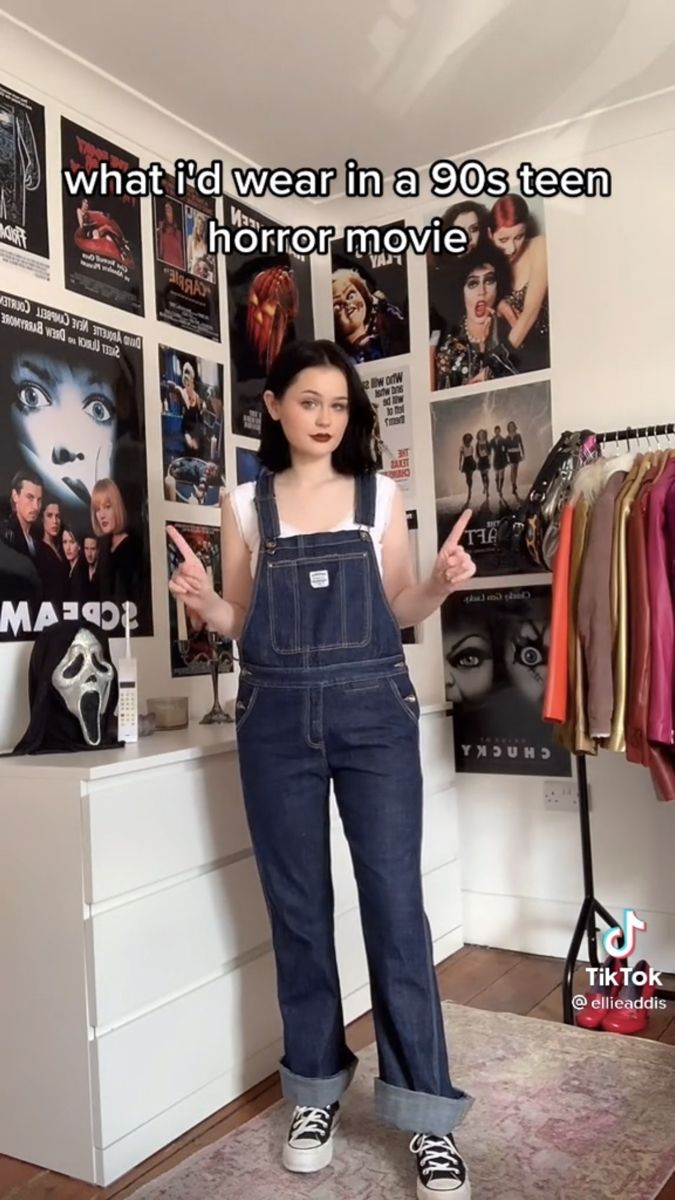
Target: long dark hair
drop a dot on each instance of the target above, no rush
(354, 455)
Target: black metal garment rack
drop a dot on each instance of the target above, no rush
(591, 907)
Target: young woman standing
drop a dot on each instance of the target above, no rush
(324, 694)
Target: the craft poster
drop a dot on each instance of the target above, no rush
(24, 238)
(388, 389)
(488, 449)
(495, 651)
(101, 232)
(370, 303)
(186, 278)
(269, 304)
(190, 648)
(73, 481)
(191, 399)
(488, 307)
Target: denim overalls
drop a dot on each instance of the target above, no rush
(324, 693)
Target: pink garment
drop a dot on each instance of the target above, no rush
(662, 629)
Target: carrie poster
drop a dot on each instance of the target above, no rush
(370, 303)
(488, 447)
(73, 481)
(495, 657)
(101, 232)
(489, 307)
(270, 304)
(190, 649)
(186, 277)
(24, 238)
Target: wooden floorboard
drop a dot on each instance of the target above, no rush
(497, 980)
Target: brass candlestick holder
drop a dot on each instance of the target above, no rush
(217, 657)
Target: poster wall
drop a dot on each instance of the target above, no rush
(190, 650)
(495, 651)
(248, 465)
(186, 278)
(370, 303)
(191, 398)
(24, 238)
(388, 390)
(73, 479)
(488, 307)
(488, 447)
(270, 304)
(101, 233)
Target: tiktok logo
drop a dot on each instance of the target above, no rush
(619, 942)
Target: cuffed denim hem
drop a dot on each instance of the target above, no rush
(420, 1112)
(318, 1093)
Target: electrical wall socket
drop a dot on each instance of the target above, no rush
(561, 795)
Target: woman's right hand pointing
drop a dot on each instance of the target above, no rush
(189, 581)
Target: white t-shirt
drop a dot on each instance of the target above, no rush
(242, 499)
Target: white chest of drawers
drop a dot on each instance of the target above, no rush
(137, 986)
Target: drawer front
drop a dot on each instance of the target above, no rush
(156, 1061)
(151, 825)
(437, 752)
(145, 952)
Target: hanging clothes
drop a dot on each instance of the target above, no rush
(660, 718)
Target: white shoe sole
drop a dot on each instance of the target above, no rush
(426, 1193)
(303, 1162)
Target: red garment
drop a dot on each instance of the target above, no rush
(662, 626)
(170, 247)
(555, 696)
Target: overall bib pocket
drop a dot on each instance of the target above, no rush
(320, 603)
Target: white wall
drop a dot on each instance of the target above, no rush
(66, 86)
(612, 265)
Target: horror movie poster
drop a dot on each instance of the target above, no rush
(489, 447)
(24, 239)
(190, 650)
(101, 233)
(73, 480)
(495, 654)
(191, 398)
(186, 278)
(270, 304)
(370, 303)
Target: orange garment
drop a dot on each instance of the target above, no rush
(555, 696)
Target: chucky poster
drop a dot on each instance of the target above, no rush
(270, 304)
(101, 233)
(495, 652)
(370, 303)
(73, 479)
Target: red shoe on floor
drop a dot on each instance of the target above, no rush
(628, 1013)
(598, 1002)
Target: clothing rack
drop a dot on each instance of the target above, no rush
(591, 907)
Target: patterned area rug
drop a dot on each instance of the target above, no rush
(559, 1113)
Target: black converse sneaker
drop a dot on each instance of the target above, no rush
(440, 1168)
(309, 1145)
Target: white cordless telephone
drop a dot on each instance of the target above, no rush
(127, 680)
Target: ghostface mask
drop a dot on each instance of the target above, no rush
(72, 687)
(83, 680)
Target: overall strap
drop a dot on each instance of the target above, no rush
(266, 507)
(366, 497)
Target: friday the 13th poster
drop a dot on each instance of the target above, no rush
(73, 482)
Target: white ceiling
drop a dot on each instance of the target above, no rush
(389, 82)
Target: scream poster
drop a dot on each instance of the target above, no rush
(24, 240)
(186, 280)
(495, 652)
(101, 233)
(73, 480)
(270, 304)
